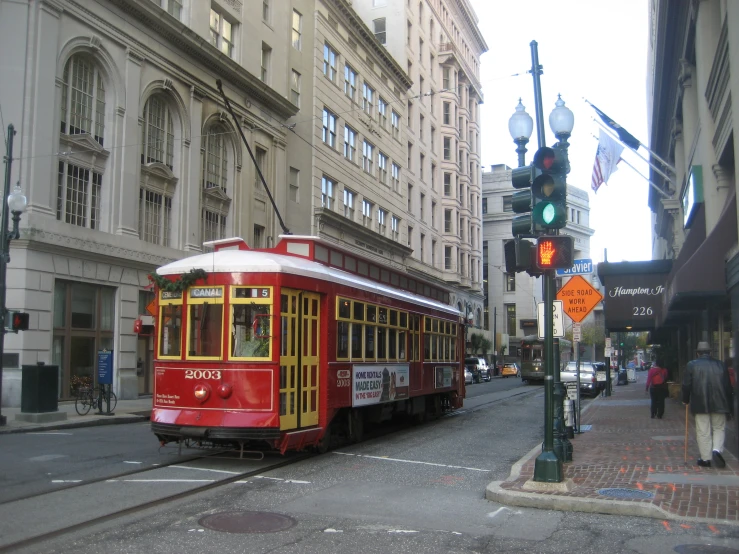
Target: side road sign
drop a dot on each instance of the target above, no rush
(559, 320)
(579, 298)
(579, 267)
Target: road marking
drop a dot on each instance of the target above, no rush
(206, 469)
(133, 462)
(49, 433)
(66, 480)
(285, 480)
(496, 512)
(47, 457)
(401, 531)
(160, 480)
(384, 458)
(330, 530)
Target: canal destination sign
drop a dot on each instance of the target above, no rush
(579, 298)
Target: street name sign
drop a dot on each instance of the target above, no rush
(558, 318)
(579, 267)
(608, 342)
(579, 298)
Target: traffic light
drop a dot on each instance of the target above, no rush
(549, 189)
(554, 252)
(19, 321)
(522, 201)
(518, 253)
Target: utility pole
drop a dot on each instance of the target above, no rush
(4, 257)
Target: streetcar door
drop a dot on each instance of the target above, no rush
(299, 375)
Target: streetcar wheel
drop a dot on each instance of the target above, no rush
(324, 445)
(82, 405)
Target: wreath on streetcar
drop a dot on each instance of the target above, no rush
(183, 282)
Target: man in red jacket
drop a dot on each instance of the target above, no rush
(707, 388)
(657, 387)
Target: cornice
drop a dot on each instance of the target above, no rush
(352, 21)
(192, 45)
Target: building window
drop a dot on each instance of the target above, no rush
(295, 88)
(348, 204)
(265, 11)
(173, 7)
(381, 221)
(221, 33)
(447, 148)
(382, 167)
(410, 236)
(327, 192)
(410, 114)
(433, 214)
(448, 221)
(329, 128)
(410, 153)
(447, 257)
(395, 122)
(421, 164)
(484, 205)
(78, 196)
(329, 62)
(433, 253)
(350, 82)
(297, 30)
(215, 169)
(508, 203)
(395, 227)
(367, 208)
(423, 240)
(155, 217)
(158, 133)
(382, 112)
(294, 185)
(258, 241)
(83, 99)
(395, 175)
(510, 282)
(379, 29)
(410, 196)
(265, 60)
(447, 113)
(368, 95)
(447, 184)
(446, 81)
(261, 157)
(213, 225)
(368, 154)
(421, 124)
(422, 201)
(510, 310)
(350, 143)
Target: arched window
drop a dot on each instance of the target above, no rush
(215, 200)
(158, 132)
(157, 187)
(83, 99)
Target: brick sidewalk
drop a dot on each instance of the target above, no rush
(626, 449)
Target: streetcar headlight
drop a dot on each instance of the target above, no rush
(225, 390)
(202, 392)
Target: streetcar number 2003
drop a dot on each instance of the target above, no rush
(343, 382)
(202, 374)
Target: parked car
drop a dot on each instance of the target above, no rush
(588, 383)
(467, 376)
(480, 368)
(510, 369)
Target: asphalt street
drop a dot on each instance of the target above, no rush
(420, 489)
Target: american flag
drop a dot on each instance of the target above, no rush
(606, 159)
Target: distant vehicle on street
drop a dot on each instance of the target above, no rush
(588, 380)
(468, 377)
(479, 367)
(510, 369)
(532, 357)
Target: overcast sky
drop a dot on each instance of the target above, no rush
(588, 49)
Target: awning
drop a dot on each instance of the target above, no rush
(700, 276)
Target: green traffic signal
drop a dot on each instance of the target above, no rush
(549, 189)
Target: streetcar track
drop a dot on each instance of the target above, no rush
(30, 541)
(84, 482)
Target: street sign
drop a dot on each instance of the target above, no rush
(579, 298)
(151, 307)
(105, 367)
(558, 318)
(576, 332)
(608, 352)
(608, 342)
(579, 267)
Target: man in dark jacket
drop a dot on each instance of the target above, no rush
(707, 388)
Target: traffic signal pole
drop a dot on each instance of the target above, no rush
(548, 466)
(4, 256)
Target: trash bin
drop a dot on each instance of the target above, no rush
(39, 388)
(568, 407)
(623, 378)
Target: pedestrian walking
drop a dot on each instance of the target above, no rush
(707, 389)
(657, 388)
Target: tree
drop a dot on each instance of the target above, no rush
(479, 344)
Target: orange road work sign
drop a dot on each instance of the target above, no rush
(151, 308)
(579, 298)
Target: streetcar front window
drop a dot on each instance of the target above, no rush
(170, 337)
(206, 326)
(250, 333)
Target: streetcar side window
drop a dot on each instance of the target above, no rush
(170, 324)
(439, 340)
(250, 333)
(366, 332)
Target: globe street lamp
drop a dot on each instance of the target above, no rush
(520, 125)
(16, 205)
(561, 121)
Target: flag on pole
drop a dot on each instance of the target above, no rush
(627, 138)
(606, 159)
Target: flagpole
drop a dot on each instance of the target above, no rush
(621, 159)
(615, 137)
(652, 153)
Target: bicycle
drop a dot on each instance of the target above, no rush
(90, 397)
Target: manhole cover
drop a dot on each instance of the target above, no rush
(704, 549)
(630, 494)
(247, 522)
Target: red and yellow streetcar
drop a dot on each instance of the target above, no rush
(289, 347)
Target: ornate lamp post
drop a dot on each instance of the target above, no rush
(520, 125)
(16, 205)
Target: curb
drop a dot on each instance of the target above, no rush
(78, 424)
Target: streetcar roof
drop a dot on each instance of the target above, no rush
(256, 261)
